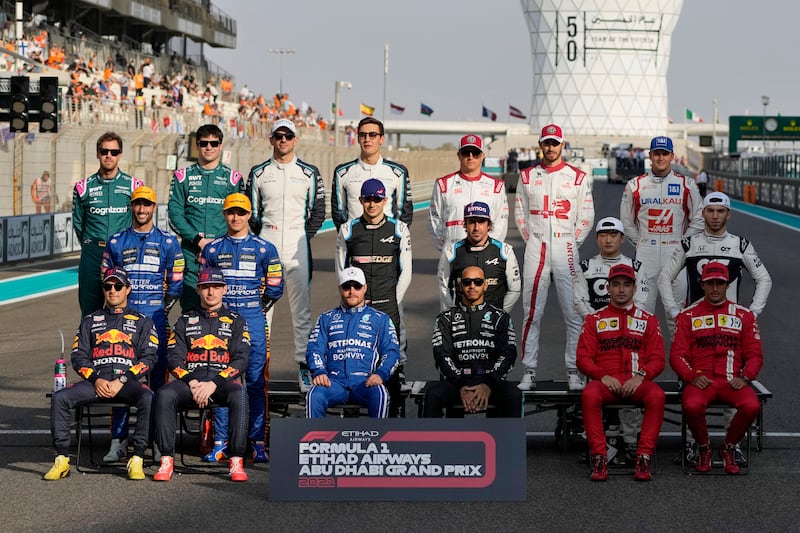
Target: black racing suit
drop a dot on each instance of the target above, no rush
(109, 343)
(207, 346)
(473, 345)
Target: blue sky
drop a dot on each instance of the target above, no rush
(457, 56)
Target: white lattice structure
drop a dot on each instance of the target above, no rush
(600, 66)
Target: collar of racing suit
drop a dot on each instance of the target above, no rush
(356, 309)
(211, 313)
(284, 166)
(554, 168)
(366, 166)
(472, 308)
(374, 226)
(115, 310)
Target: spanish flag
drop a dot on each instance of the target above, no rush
(367, 110)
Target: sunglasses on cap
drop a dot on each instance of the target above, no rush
(370, 134)
(213, 144)
(281, 136)
(113, 151)
(351, 285)
(474, 152)
(466, 282)
(116, 286)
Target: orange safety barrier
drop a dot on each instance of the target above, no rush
(749, 193)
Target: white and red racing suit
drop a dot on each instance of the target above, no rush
(656, 213)
(452, 192)
(554, 214)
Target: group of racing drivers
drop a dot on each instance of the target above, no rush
(252, 237)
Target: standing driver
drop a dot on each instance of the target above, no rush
(621, 350)
(352, 352)
(717, 352)
(474, 348)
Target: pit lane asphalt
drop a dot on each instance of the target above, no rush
(560, 496)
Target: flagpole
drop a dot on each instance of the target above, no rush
(714, 126)
(385, 77)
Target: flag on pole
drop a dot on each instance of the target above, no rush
(515, 112)
(367, 110)
(489, 114)
(425, 110)
(394, 108)
(691, 116)
(333, 109)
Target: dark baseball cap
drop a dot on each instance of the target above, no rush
(117, 273)
(210, 276)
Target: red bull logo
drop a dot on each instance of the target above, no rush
(113, 336)
(209, 342)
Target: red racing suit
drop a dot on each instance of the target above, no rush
(621, 343)
(554, 214)
(720, 342)
(656, 213)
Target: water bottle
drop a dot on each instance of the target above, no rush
(60, 375)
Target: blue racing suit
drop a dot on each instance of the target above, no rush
(348, 345)
(254, 278)
(154, 263)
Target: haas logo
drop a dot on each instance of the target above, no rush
(660, 221)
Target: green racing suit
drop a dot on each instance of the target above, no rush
(100, 208)
(196, 196)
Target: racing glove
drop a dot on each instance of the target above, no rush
(169, 301)
(267, 303)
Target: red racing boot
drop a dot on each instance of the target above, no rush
(703, 463)
(599, 468)
(641, 472)
(237, 469)
(728, 453)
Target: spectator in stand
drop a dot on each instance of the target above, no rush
(227, 89)
(41, 192)
(147, 72)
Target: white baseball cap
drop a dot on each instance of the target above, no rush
(609, 224)
(352, 274)
(717, 198)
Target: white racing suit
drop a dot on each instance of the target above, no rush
(554, 214)
(590, 287)
(288, 210)
(733, 251)
(452, 192)
(346, 189)
(656, 213)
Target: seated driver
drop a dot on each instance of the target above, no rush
(351, 352)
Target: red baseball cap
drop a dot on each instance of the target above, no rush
(552, 131)
(625, 271)
(473, 141)
(715, 270)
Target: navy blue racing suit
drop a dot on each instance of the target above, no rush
(254, 278)
(349, 345)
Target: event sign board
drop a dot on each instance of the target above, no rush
(357, 459)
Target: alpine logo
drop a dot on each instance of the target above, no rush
(494, 261)
(388, 240)
(660, 221)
